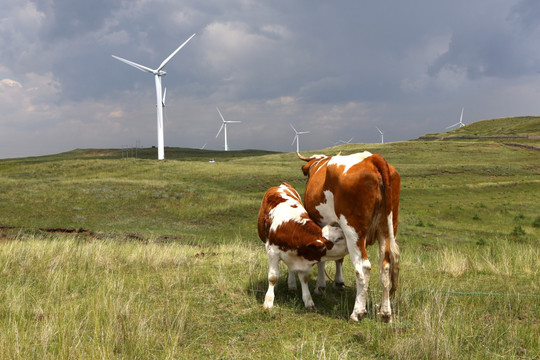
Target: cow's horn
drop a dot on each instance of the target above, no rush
(302, 157)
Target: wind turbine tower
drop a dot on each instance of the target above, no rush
(224, 128)
(297, 137)
(158, 73)
(382, 135)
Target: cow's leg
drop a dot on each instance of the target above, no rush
(306, 295)
(362, 267)
(321, 279)
(273, 276)
(291, 281)
(384, 255)
(339, 283)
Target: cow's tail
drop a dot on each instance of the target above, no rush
(391, 244)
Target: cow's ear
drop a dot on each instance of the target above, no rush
(320, 245)
(305, 168)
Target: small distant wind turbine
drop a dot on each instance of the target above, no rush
(382, 135)
(158, 73)
(224, 128)
(297, 137)
(460, 123)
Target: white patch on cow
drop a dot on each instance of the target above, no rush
(328, 216)
(290, 209)
(349, 160)
(326, 209)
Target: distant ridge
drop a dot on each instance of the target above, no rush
(521, 127)
(173, 153)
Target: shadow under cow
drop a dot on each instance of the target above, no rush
(333, 302)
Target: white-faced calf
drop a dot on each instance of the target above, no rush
(291, 236)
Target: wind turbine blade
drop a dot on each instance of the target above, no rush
(222, 118)
(452, 125)
(232, 121)
(165, 114)
(378, 129)
(221, 128)
(461, 117)
(296, 132)
(303, 132)
(134, 64)
(294, 139)
(174, 53)
(164, 95)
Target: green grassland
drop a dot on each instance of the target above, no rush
(163, 260)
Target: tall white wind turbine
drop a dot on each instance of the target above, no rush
(460, 123)
(297, 137)
(382, 135)
(224, 128)
(158, 73)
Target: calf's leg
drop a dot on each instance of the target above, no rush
(273, 276)
(306, 295)
(291, 281)
(321, 280)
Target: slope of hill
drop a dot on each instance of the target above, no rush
(523, 127)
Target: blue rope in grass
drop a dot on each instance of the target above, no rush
(477, 293)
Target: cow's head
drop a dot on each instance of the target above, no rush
(309, 161)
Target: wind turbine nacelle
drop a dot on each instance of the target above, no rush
(161, 73)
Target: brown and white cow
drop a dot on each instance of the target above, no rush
(359, 193)
(292, 237)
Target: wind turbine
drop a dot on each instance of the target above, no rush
(382, 135)
(346, 142)
(460, 123)
(224, 128)
(297, 137)
(158, 73)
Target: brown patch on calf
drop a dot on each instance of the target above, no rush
(305, 238)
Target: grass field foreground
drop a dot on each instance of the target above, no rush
(66, 297)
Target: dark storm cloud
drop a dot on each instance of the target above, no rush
(334, 68)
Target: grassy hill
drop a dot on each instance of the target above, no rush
(523, 128)
(162, 259)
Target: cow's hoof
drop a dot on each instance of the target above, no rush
(357, 316)
(339, 286)
(385, 314)
(319, 290)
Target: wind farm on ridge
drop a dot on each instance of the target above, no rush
(161, 113)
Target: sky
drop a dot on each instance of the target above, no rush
(338, 69)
